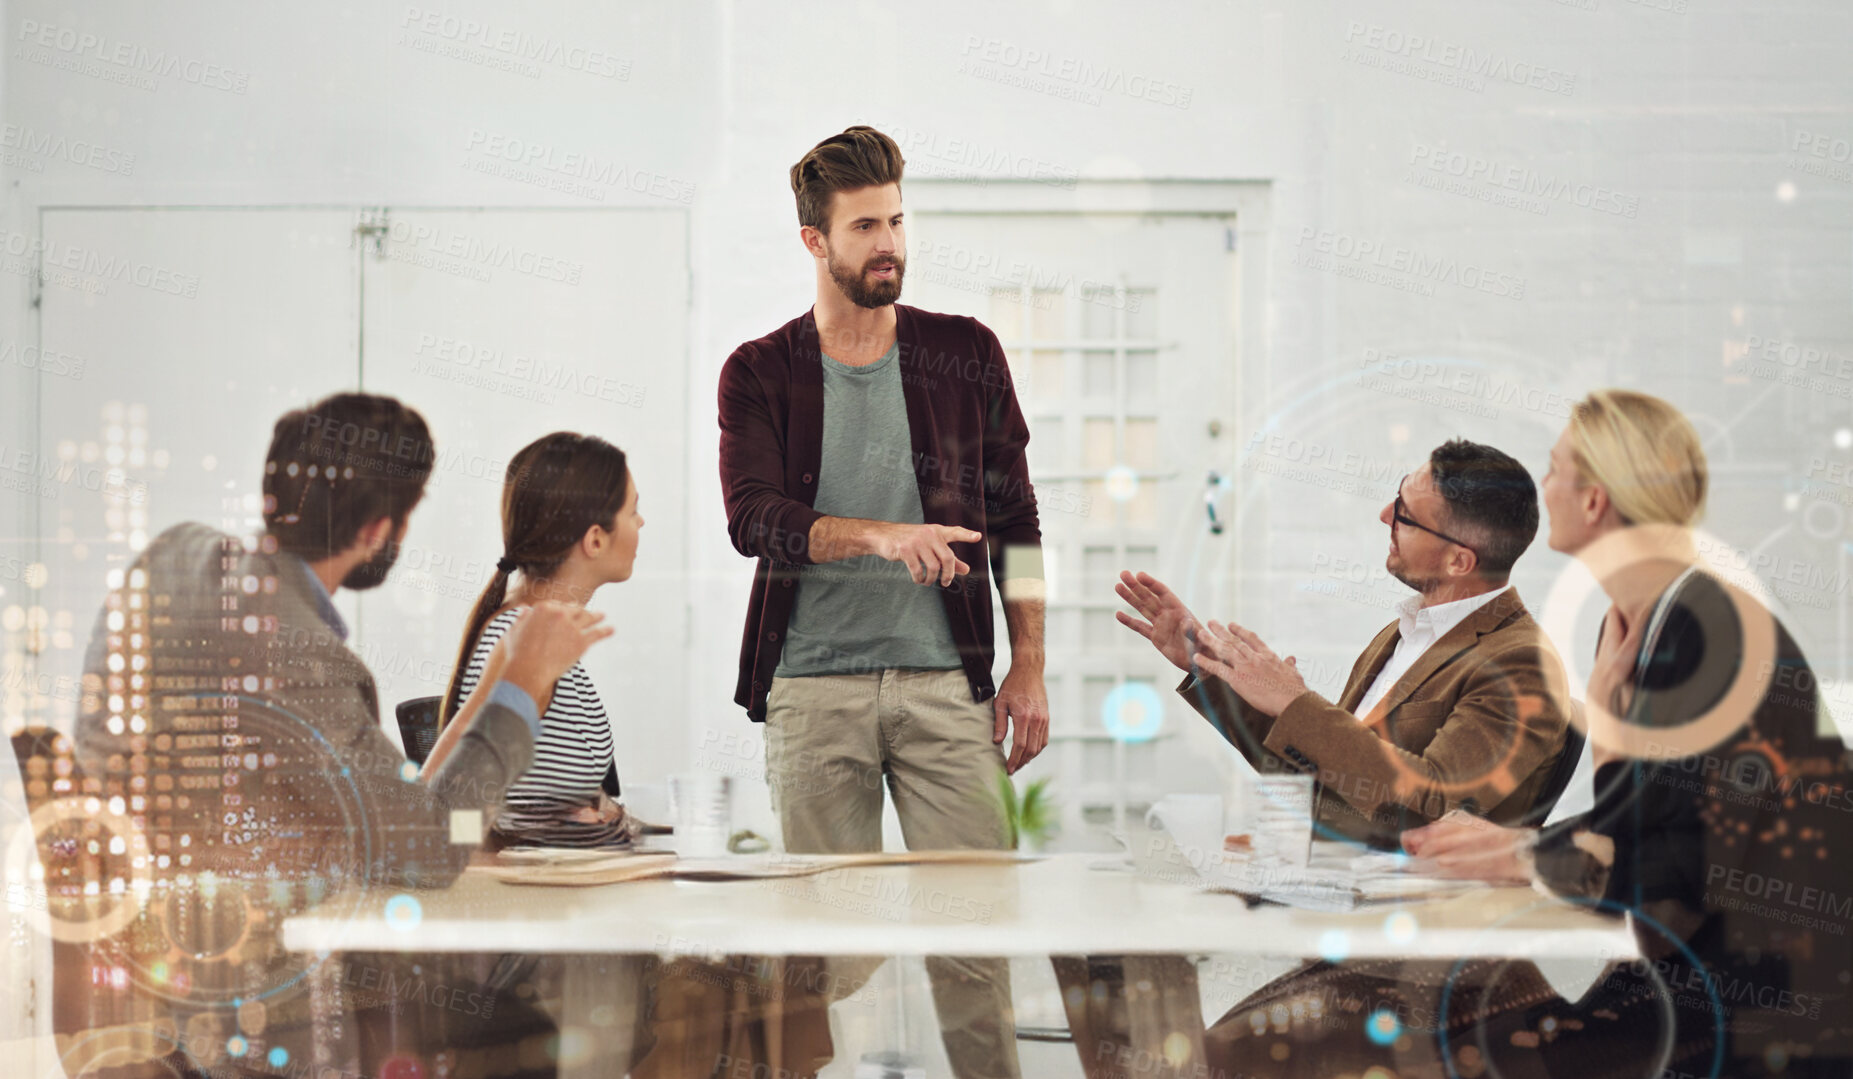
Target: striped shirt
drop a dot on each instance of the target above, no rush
(570, 759)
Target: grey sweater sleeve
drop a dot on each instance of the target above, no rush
(422, 833)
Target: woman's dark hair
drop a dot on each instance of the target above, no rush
(556, 487)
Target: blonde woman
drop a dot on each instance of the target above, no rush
(1712, 781)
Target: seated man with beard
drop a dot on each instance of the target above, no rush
(1458, 704)
(236, 741)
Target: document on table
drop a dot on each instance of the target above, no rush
(1336, 878)
(562, 866)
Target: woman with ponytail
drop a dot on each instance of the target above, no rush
(569, 525)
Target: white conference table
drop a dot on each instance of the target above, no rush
(1058, 905)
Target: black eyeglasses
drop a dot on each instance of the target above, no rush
(1399, 512)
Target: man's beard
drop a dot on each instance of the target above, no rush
(1395, 567)
(372, 573)
(855, 284)
(1419, 584)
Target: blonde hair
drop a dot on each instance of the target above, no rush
(1644, 453)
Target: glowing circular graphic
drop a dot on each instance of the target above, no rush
(1133, 712)
(403, 912)
(207, 909)
(1334, 945)
(1383, 1027)
(1489, 1046)
(236, 1045)
(278, 1057)
(1122, 483)
(1400, 927)
(1618, 552)
(95, 915)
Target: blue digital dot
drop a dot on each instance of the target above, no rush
(278, 1057)
(403, 912)
(1133, 712)
(235, 1046)
(1384, 1027)
(1334, 945)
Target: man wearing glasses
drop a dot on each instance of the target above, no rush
(1459, 704)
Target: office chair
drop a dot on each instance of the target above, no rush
(418, 726)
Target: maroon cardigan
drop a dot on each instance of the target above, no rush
(968, 441)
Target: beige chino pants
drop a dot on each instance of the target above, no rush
(830, 741)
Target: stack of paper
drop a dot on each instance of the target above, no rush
(1336, 878)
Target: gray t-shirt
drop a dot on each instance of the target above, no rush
(865, 614)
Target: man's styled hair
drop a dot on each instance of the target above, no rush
(1491, 499)
(342, 462)
(859, 157)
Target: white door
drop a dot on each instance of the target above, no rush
(197, 328)
(178, 337)
(1122, 337)
(502, 326)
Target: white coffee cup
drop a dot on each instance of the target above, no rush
(1194, 820)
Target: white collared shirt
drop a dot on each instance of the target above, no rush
(1421, 627)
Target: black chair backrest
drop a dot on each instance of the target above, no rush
(418, 726)
(1561, 771)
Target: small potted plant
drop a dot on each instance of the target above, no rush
(1032, 814)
